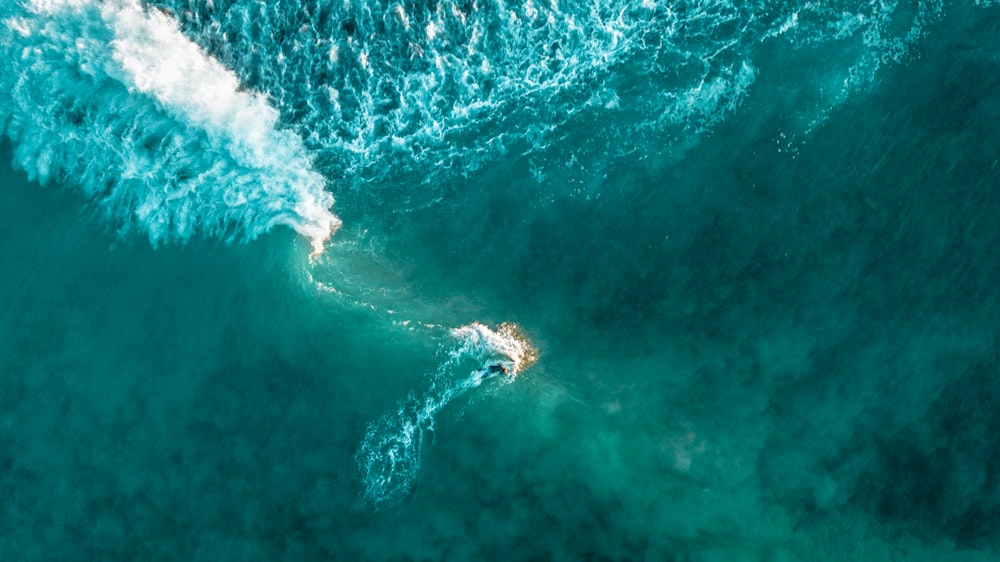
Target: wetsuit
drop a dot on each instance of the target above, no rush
(494, 370)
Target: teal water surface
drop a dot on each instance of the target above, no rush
(739, 261)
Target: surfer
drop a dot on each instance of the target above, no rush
(494, 370)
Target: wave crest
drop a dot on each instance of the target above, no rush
(111, 97)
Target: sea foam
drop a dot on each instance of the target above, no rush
(380, 88)
(390, 454)
(113, 98)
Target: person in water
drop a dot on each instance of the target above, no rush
(494, 370)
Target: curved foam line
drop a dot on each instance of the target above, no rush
(114, 98)
(390, 453)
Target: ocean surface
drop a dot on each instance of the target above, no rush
(657, 280)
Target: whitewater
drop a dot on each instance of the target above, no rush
(172, 145)
(371, 94)
(499, 279)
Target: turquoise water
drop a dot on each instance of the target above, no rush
(739, 261)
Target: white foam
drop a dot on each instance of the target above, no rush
(437, 89)
(430, 87)
(113, 97)
(390, 453)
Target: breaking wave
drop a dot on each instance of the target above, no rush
(111, 97)
(154, 112)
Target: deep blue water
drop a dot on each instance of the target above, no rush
(263, 266)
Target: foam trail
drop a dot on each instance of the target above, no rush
(110, 96)
(389, 455)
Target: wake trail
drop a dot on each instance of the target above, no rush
(390, 453)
